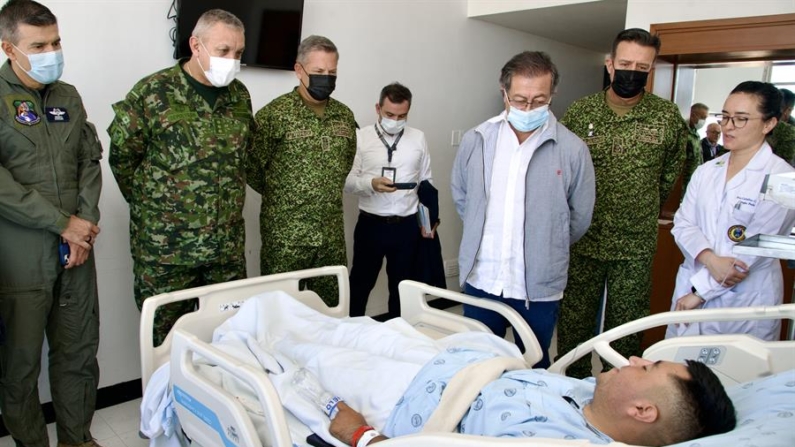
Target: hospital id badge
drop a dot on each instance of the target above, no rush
(390, 173)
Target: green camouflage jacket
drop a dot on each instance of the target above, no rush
(299, 164)
(693, 157)
(180, 164)
(782, 140)
(637, 158)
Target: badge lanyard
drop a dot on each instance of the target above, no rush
(389, 149)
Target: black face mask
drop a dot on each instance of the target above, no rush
(629, 83)
(321, 86)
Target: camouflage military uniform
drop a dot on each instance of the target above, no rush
(49, 171)
(693, 157)
(637, 158)
(782, 140)
(180, 164)
(299, 164)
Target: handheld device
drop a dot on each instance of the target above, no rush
(410, 185)
(63, 253)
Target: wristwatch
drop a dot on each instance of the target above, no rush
(695, 292)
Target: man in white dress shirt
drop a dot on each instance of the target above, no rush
(524, 186)
(391, 161)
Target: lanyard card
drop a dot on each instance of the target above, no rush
(390, 173)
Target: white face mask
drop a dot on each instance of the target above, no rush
(391, 126)
(700, 124)
(222, 70)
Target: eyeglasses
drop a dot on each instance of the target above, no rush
(523, 104)
(737, 121)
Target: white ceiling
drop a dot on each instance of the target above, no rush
(591, 25)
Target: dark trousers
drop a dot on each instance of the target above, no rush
(374, 238)
(541, 316)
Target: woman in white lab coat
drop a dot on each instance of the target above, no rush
(721, 208)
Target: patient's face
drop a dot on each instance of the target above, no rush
(640, 379)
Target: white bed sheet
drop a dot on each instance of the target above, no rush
(368, 364)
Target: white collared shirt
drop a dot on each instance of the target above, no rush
(411, 161)
(499, 266)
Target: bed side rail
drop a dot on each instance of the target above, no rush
(209, 413)
(218, 302)
(414, 308)
(601, 343)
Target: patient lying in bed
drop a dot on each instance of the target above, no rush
(644, 403)
(395, 376)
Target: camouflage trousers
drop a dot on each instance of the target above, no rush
(280, 258)
(153, 279)
(628, 285)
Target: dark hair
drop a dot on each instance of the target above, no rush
(396, 92)
(787, 99)
(530, 64)
(26, 12)
(704, 408)
(638, 36)
(699, 106)
(768, 95)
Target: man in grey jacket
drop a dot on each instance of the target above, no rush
(524, 186)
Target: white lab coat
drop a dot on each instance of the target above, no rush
(710, 208)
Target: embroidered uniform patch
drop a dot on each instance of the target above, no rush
(26, 113)
(56, 114)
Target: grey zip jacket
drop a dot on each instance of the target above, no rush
(559, 199)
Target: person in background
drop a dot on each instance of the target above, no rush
(524, 187)
(50, 182)
(304, 148)
(782, 138)
(693, 157)
(388, 152)
(179, 142)
(637, 141)
(722, 208)
(710, 148)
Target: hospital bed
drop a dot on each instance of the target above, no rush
(210, 416)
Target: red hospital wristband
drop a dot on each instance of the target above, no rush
(358, 434)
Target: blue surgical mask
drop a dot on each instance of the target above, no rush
(530, 120)
(45, 68)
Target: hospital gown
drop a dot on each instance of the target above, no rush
(523, 403)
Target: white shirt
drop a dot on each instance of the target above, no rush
(499, 266)
(411, 161)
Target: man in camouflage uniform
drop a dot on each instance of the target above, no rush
(178, 148)
(637, 141)
(782, 138)
(50, 180)
(693, 157)
(303, 150)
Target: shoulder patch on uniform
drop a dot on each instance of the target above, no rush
(25, 112)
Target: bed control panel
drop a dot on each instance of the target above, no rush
(710, 356)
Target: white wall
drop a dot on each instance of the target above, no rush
(451, 64)
(642, 13)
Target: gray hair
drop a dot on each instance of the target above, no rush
(315, 43)
(530, 64)
(213, 17)
(23, 11)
